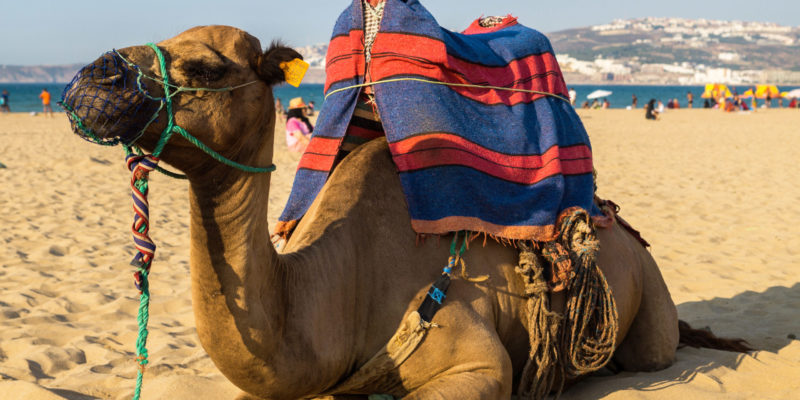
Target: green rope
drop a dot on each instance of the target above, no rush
(467, 85)
(220, 157)
(172, 127)
(143, 315)
(463, 244)
(141, 340)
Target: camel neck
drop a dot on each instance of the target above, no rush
(236, 281)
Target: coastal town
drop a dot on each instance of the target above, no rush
(680, 51)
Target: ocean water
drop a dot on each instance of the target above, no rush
(24, 97)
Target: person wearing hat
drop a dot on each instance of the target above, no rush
(298, 127)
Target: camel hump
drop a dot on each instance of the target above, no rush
(369, 161)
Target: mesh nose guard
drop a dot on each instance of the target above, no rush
(106, 102)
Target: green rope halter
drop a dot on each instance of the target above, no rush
(172, 127)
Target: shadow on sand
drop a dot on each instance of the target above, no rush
(767, 320)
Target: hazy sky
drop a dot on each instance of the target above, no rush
(60, 32)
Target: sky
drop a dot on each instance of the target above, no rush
(52, 32)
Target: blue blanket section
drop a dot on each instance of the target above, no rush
(523, 129)
(437, 193)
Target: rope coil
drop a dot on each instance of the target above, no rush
(583, 339)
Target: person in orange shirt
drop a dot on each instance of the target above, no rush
(45, 96)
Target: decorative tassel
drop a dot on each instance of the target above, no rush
(140, 167)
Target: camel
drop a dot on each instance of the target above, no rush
(298, 323)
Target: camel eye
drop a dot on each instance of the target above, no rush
(204, 72)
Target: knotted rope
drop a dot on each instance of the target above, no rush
(583, 339)
(591, 323)
(539, 373)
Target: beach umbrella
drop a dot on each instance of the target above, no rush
(763, 90)
(791, 94)
(715, 90)
(598, 94)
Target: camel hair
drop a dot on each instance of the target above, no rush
(296, 324)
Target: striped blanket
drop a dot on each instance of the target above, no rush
(504, 163)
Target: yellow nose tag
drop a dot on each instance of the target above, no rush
(294, 71)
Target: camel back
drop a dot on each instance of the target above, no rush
(477, 124)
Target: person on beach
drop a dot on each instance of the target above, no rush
(660, 108)
(634, 101)
(46, 108)
(793, 103)
(573, 96)
(689, 99)
(595, 104)
(768, 100)
(585, 105)
(4, 107)
(298, 127)
(606, 104)
(650, 110)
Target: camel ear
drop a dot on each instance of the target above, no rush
(269, 63)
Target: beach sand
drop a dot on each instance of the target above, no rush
(715, 194)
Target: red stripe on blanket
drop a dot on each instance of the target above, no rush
(436, 141)
(316, 162)
(345, 58)
(400, 54)
(363, 133)
(528, 176)
(323, 145)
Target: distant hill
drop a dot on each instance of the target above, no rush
(645, 50)
(38, 73)
(734, 45)
(676, 50)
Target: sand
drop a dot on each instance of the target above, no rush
(715, 194)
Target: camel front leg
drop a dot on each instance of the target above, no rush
(461, 359)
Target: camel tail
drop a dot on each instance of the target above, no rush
(704, 338)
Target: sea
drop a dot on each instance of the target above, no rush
(24, 97)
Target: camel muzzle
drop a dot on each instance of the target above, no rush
(107, 103)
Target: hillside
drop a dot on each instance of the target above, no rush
(38, 73)
(675, 50)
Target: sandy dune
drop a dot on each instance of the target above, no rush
(715, 194)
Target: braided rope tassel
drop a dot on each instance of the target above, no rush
(542, 367)
(140, 167)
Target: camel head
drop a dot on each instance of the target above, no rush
(115, 98)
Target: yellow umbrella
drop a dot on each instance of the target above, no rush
(763, 90)
(715, 90)
(748, 94)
